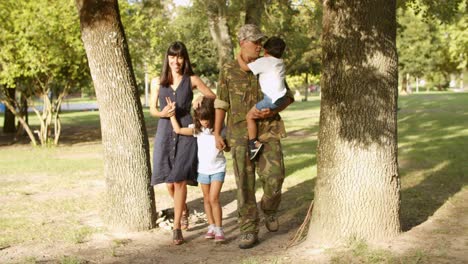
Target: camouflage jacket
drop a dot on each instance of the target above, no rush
(237, 92)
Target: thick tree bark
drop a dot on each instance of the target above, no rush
(357, 194)
(219, 30)
(130, 198)
(9, 121)
(253, 11)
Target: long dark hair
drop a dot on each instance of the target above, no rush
(206, 111)
(175, 49)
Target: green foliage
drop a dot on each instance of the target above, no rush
(457, 37)
(145, 26)
(301, 81)
(191, 27)
(151, 28)
(42, 55)
(299, 23)
(431, 48)
(440, 10)
(41, 42)
(414, 43)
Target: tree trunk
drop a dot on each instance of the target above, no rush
(357, 193)
(253, 11)
(219, 30)
(22, 121)
(9, 121)
(404, 84)
(130, 201)
(24, 107)
(57, 122)
(306, 90)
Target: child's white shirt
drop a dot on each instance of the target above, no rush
(272, 75)
(210, 159)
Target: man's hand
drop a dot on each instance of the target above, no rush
(220, 144)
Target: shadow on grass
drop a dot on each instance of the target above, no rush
(77, 127)
(433, 154)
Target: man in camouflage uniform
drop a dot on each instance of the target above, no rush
(237, 93)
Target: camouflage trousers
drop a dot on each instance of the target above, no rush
(270, 170)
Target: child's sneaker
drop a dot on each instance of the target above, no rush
(254, 149)
(219, 235)
(211, 232)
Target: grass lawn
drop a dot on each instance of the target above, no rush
(46, 193)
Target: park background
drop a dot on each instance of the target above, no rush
(50, 195)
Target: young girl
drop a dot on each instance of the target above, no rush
(211, 163)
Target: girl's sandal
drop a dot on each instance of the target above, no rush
(184, 221)
(177, 237)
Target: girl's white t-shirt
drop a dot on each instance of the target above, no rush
(210, 159)
(272, 74)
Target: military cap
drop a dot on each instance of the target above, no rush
(250, 32)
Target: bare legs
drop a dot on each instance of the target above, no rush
(213, 210)
(178, 192)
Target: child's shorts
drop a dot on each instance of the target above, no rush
(209, 178)
(267, 103)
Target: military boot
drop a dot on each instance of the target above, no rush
(271, 223)
(248, 240)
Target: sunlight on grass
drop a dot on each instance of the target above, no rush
(32, 218)
(44, 190)
(433, 134)
(416, 177)
(359, 252)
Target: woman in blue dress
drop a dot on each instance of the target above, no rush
(175, 156)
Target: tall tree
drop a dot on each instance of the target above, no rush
(129, 197)
(299, 24)
(41, 56)
(9, 121)
(357, 193)
(415, 45)
(253, 11)
(144, 23)
(219, 29)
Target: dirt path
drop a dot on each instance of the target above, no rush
(155, 246)
(441, 239)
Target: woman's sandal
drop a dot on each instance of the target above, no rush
(184, 221)
(177, 237)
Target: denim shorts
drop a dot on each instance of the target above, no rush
(267, 103)
(209, 178)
